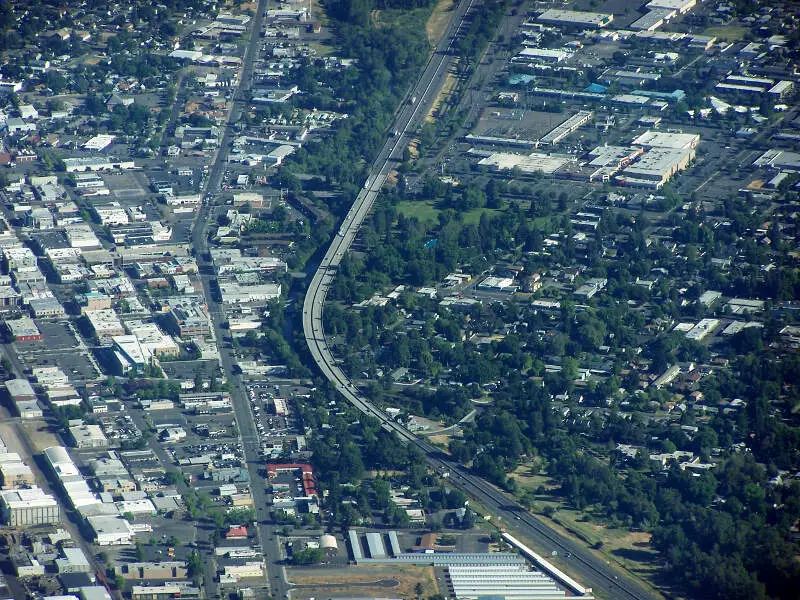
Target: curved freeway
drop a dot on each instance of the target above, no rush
(585, 565)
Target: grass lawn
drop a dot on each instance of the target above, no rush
(731, 33)
(414, 19)
(426, 211)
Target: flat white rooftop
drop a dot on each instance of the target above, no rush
(528, 163)
(99, 142)
(576, 17)
(664, 139)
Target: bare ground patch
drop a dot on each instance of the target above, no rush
(363, 581)
(438, 20)
(40, 437)
(445, 91)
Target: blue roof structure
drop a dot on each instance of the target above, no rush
(520, 79)
(596, 88)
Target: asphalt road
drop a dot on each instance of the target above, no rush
(245, 419)
(587, 568)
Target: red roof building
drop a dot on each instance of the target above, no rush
(236, 533)
(306, 474)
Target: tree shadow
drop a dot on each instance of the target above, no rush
(641, 556)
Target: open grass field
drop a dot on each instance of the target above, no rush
(730, 33)
(426, 211)
(413, 20)
(363, 581)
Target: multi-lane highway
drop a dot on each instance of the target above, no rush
(589, 569)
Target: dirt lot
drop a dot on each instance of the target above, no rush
(447, 89)
(40, 436)
(438, 22)
(362, 581)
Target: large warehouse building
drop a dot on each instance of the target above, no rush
(513, 582)
(666, 154)
(662, 139)
(575, 18)
(656, 167)
(27, 507)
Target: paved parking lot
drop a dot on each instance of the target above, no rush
(59, 347)
(124, 186)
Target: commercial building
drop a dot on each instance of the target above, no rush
(276, 156)
(111, 213)
(20, 259)
(23, 398)
(73, 560)
(653, 19)
(14, 473)
(543, 55)
(9, 298)
(679, 6)
(80, 235)
(79, 165)
(702, 329)
(94, 592)
(24, 564)
(605, 161)
(88, 181)
(142, 346)
(184, 200)
(781, 89)
(233, 262)
(24, 329)
(517, 582)
(575, 18)
(104, 322)
(662, 139)
(166, 591)
(570, 125)
(655, 167)
(507, 285)
(782, 160)
(26, 507)
(88, 436)
(110, 530)
(591, 287)
(527, 163)
(141, 506)
(234, 293)
(69, 478)
(189, 320)
(152, 570)
(98, 142)
(250, 569)
(46, 307)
